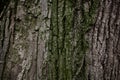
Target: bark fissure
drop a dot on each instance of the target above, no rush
(59, 40)
(104, 41)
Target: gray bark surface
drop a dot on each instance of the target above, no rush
(104, 42)
(60, 40)
(23, 36)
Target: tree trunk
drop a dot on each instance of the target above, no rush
(59, 40)
(104, 42)
(24, 28)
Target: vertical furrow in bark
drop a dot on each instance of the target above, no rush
(26, 41)
(60, 45)
(8, 19)
(104, 63)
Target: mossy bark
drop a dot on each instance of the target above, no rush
(59, 40)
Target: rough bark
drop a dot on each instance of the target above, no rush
(104, 42)
(24, 28)
(59, 40)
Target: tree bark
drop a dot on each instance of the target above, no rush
(59, 40)
(104, 42)
(24, 28)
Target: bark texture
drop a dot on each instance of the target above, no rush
(59, 40)
(24, 28)
(104, 39)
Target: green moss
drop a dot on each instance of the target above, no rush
(66, 57)
(86, 20)
(59, 43)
